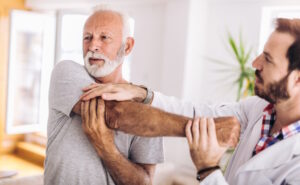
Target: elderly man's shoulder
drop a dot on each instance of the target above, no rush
(67, 64)
(66, 67)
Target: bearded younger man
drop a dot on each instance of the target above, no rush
(93, 154)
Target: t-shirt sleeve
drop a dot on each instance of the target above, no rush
(146, 150)
(67, 80)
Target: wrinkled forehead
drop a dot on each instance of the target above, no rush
(104, 20)
(278, 44)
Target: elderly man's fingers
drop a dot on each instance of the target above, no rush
(195, 131)
(97, 92)
(86, 114)
(211, 130)
(93, 107)
(86, 95)
(188, 133)
(91, 86)
(82, 112)
(100, 109)
(203, 130)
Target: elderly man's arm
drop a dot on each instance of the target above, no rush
(77, 108)
(120, 168)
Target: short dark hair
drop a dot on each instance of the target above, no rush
(291, 26)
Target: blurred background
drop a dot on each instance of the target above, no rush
(183, 48)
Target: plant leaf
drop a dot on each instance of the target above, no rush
(248, 55)
(234, 47)
(242, 50)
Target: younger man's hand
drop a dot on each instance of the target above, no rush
(202, 139)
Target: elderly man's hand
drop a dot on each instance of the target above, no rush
(202, 139)
(118, 92)
(94, 126)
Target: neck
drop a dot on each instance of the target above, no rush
(114, 77)
(287, 112)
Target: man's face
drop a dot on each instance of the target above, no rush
(271, 66)
(102, 43)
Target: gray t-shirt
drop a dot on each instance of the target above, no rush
(70, 157)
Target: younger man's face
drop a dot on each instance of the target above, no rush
(272, 77)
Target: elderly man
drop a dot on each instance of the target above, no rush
(269, 148)
(78, 153)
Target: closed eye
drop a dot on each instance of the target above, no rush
(267, 59)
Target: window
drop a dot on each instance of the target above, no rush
(31, 56)
(69, 33)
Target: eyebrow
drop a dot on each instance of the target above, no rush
(102, 32)
(268, 55)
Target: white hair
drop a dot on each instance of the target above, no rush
(128, 22)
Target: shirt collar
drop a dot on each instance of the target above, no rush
(286, 131)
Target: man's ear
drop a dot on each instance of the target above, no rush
(296, 77)
(129, 45)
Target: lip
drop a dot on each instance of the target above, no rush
(258, 81)
(96, 61)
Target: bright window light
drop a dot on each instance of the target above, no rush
(71, 37)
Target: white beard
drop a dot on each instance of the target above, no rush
(107, 68)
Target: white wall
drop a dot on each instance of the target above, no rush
(174, 51)
(148, 50)
(196, 46)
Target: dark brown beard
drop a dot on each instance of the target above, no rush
(275, 91)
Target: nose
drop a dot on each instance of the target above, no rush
(257, 63)
(95, 45)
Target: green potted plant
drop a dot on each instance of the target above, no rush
(247, 75)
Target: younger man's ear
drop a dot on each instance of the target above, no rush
(296, 77)
(129, 45)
